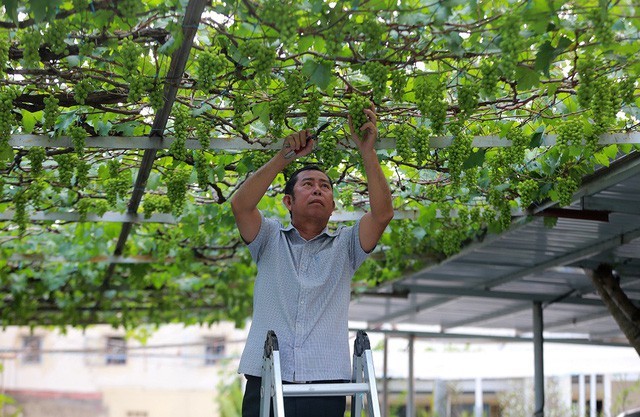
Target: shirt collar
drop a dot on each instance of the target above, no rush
(326, 231)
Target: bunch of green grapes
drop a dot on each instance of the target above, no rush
(328, 151)
(602, 24)
(499, 201)
(528, 191)
(570, 131)
(404, 135)
(356, 107)
(78, 137)
(240, 106)
(295, 84)
(116, 187)
(5, 44)
(93, 205)
(346, 197)
(202, 168)
(378, 74)
(66, 167)
(156, 95)
(20, 201)
(313, 110)
(130, 55)
(31, 41)
(605, 102)
(373, 32)
(55, 35)
(210, 64)
(519, 144)
(627, 89)
(459, 150)
(36, 156)
(468, 96)
(86, 47)
(130, 8)
(278, 113)
(7, 117)
(203, 133)
(490, 75)
(259, 158)
(138, 88)
(430, 100)
(565, 187)
(177, 181)
(82, 173)
(510, 43)
(450, 239)
(471, 178)
(398, 83)
(586, 69)
(155, 203)
(281, 14)
(421, 144)
(50, 113)
(81, 90)
(181, 122)
(262, 58)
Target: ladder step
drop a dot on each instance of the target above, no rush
(311, 390)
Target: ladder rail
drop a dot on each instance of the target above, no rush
(363, 381)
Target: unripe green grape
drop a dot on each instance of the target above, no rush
(510, 43)
(181, 123)
(295, 84)
(55, 35)
(278, 113)
(4, 51)
(602, 23)
(31, 41)
(20, 217)
(404, 134)
(203, 133)
(130, 8)
(459, 150)
(313, 110)
(356, 108)
(82, 173)
(36, 156)
(177, 181)
(7, 115)
(138, 88)
(468, 99)
(429, 93)
(155, 203)
(210, 64)
(81, 90)
(66, 167)
(202, 168)
(519, 144)
(50, 113)
(378, 74)
(281, 15)
(328, 151)
(627, 88)
(528, 191)
(78, 137)
(570, 132)
(421, 144)
(156, 95)
(240, 106)
(490, 75)
(566, 188)
(346, 197)
(130, 57)
(398, 83)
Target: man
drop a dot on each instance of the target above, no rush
(302, 290)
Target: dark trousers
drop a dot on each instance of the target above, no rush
(293, 406)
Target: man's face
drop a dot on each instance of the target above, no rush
(312, 196)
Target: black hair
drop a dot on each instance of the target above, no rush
(291, 182)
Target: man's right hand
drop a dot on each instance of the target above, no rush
(298, 144)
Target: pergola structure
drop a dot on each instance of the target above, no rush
(530, 279)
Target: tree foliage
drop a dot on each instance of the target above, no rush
(457, 69)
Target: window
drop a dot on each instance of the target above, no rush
(116, 352)
(31, 349)
(214, 349)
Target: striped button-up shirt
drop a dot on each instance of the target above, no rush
(302, 292)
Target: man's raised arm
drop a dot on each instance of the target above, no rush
(244, 202)
(374, 222)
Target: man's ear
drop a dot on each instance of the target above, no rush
(287, 201)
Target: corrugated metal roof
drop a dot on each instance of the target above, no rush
(493, 284)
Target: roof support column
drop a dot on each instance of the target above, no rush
(411, 394)
(538, 327)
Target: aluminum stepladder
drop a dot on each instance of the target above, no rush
(363, 381)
